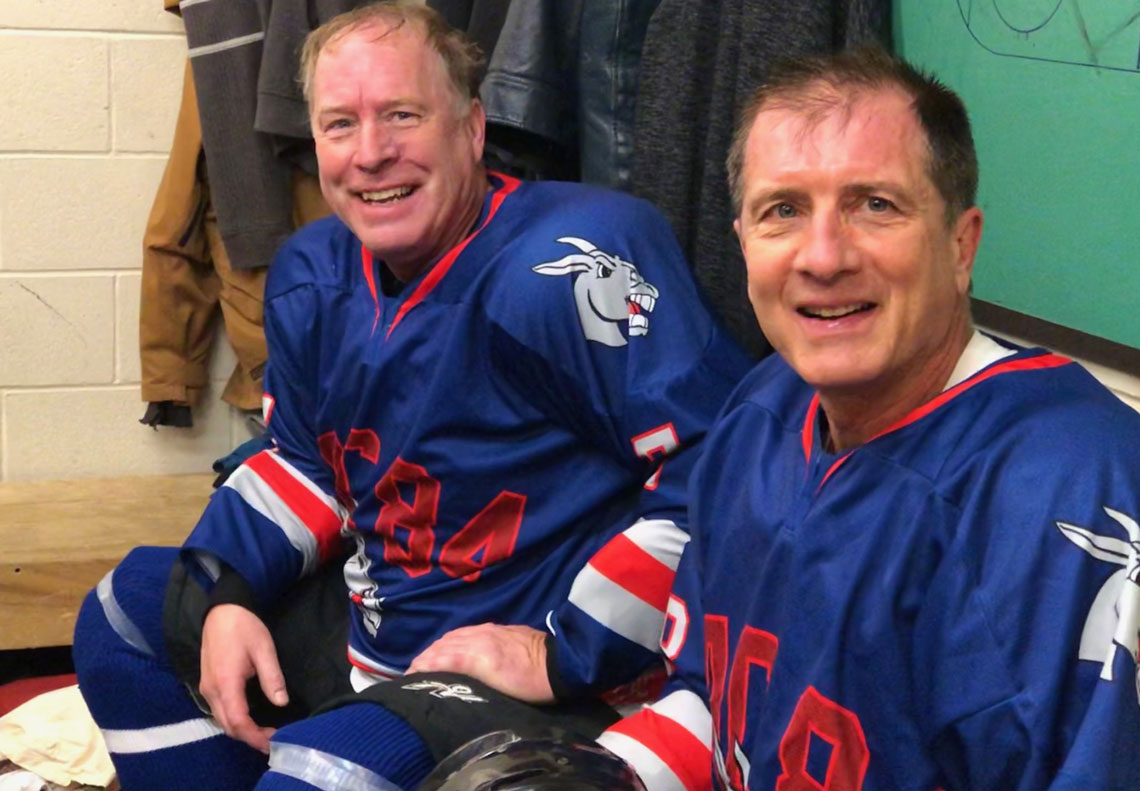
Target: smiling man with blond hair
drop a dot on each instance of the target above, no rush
(485, 396)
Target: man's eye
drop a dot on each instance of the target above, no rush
(877, 204)
(403, 115)
(785, 211)
(337, 123)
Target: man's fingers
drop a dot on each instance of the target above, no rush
(269, 674)
(256, 737)
(512, 659)
(235, 646)
(445, 654)
(232, 713)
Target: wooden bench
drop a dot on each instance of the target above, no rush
(58, 539)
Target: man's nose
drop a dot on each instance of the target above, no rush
(827, 251)
(378, 146)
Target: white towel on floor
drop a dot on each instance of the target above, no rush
(54, 736)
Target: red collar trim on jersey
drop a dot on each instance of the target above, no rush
(809, 426)
(437, 272)
(1023, 364)
(370, 278)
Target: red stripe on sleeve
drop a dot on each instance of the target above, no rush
(631, 567)
(323, 522)
(677, 748)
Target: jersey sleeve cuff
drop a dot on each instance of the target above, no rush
(231, 588)
(558, 685)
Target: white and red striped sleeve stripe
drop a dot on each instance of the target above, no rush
(310, 519)
(625, 586)
(669, 744)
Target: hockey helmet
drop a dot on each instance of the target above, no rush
(506, 761)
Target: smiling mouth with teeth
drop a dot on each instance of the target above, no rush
(835, 313)
(387, 196)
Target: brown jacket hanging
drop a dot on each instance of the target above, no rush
(186, 276)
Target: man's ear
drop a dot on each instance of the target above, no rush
(477, 127)
(967, 236)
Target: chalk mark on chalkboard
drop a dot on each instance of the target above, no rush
(1025, 30)
(1083, 29)
(1090, 50)
(1095, 48)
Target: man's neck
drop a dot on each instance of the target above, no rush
(406, 271)
(855, 415)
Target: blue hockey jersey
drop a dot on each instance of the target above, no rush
(952, 605)
(504, 439)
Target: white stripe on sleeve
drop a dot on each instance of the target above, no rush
(617, 609)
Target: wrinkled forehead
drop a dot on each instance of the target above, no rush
(840, 111)
(376, 40)
(393, 34)
(826, 127)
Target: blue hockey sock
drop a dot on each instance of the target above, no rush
(157, 737)
(362, 745)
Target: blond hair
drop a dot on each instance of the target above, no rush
(462, 58)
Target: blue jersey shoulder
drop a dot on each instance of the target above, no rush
(562, 250)
(773, 387)
(1058, 414)
(606, 210)
(324, 252)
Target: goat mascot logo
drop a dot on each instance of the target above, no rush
(1114, 618)
(607, 292)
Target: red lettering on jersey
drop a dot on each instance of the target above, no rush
(835, 725)
(814, 713)
(755, 647)
(365, 442)
(655, 442)
(716, 664)
(488, 537)
(362, 440)
(332, 452)
(417, 518)
(491, 532)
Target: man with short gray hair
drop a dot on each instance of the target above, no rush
(915, 554)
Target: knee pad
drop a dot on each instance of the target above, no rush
(119, 652)
(361, 745)
(126, 605)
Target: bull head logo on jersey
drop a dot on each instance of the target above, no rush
(607, 292)
(1114, 619)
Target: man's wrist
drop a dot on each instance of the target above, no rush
(231, 588)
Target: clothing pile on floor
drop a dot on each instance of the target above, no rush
(49, 743)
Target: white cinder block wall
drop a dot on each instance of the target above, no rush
(89, 92)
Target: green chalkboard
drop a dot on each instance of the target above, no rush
(1053, 89)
